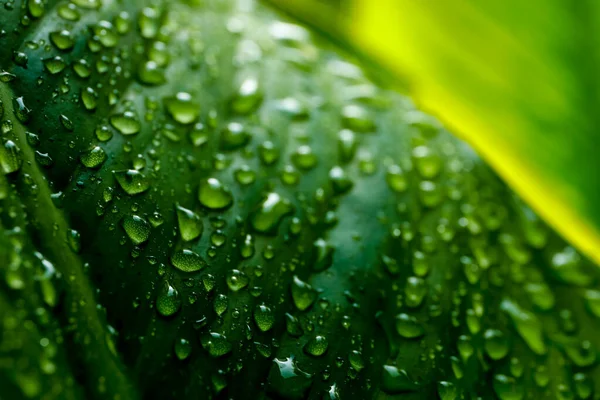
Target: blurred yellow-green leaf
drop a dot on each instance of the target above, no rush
(517, 79)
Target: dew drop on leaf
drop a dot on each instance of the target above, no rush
(316, 346)
(237, 280)
(182, 348)
(63, 39)
(187, 261)
(137, 228)
(216, 344)
(303, 294)
(270, 213)
(182, 108)
(190, 224)
(127, 123)
(132, 181)
(264, 317)
(214, 195)
(93, 158)
(168, 301)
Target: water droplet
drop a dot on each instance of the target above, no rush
(68, 11)
(127, 123)
(264, 317)
(270, 213)
(182, 108)
(54, 65)
(316, 346)
(304, 158)
(220, 304)
(247, 247)
(88, 4)
(106, 34)
(528, 326)
(151, 73)
(66, 122)
(408, 327)
(214, 195)
(149, 22)
(247, 98)
(21, 111)
(356, 360)
(63, 40)
(396, 179)
(244, 175)
(93, 158)
(427, 162)
(187, 261)
(292, 325)
(340, 181)
(269, 153)
(216, 344)
(137, 228)
(190, 224)
(132, 181)
(89, 98)
(10, 157)
(168, 301)
(303, 294)
(287, 380)
(20, 59)
(234, 136)
(183, 348)
(293, 108)
(82, 68)
(35, 8)
(583, 354)
(346, 145)
(322, 255)
(357, 118)
(74, 240)
(507, 388)
(237, 280)
(496, 344)
(415, 291)
(396, 380)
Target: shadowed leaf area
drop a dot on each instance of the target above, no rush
(202, 200)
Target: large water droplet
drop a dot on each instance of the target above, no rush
(182, 108)
(187, 261)
(137, 228)
(270, 213)
(237, 280)
(316, 346)
(127, 123)
(216, 344)
(132, 181)
(408, 327)
(214, 195)
(10, 157)
(264, 317)
(93, 158)
(303, 294)
(168, 301)
(190, 224)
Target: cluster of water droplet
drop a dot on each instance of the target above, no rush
(254, 212)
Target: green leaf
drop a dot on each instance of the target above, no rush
(205, 201)
(515, 79)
